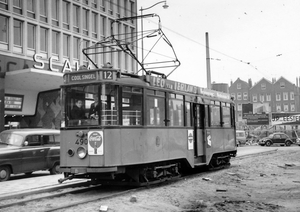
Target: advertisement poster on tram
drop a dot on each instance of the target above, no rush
(292, 118)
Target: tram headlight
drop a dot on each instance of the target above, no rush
(81, 152)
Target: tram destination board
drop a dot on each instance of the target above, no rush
(88, 76)
(13, 102)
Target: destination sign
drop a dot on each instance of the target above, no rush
(178, 86)
(79, 77)
(13, 102)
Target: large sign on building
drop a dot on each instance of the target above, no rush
(292, 118)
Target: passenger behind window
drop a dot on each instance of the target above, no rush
(77, 111)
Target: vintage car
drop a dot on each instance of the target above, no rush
(276, 138)
(29, 150)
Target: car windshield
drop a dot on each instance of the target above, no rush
(11, 139)
(271, 136)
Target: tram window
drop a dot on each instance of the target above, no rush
(207, 117)
(226, 117)
(188, 114)
(155, 111)
(132, 106)
(215, 115)
(109, 112)
(176, 110)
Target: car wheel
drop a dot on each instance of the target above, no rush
(288, 143)
(268, 143)
(55, 169)
(4, 173)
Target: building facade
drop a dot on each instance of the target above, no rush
(265, 96)
(42, 39)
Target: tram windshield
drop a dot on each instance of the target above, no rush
(100, 105)
(91, 105)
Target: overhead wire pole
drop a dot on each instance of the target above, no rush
(165, 6)
(208, 76)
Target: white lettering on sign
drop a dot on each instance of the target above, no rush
(83, 77)
(36, 58)
(53, 59)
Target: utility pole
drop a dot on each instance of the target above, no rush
(207, 62)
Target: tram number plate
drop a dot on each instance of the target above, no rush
(108, 75)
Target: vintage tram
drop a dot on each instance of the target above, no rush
(141, 129)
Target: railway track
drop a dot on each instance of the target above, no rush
(61, 198)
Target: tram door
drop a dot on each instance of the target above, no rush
(199, 129)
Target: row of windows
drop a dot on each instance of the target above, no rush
(163, 109)
(285, 96)
(279, 107)
(30, 8)
(29, 38)
(263, 86)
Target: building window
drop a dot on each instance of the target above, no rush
(239, 96)
(278, 97)
(278, 107)
(18, 35)
(55, 42)
(103, 28)
(292, 106)
(111, 7)
(94, 3)
(285, 96)
(233, 96)
(3, 4)
(66, 45)
(292, 96)
(262, 97)
(55, 12)
(44, 39)
(282, 85)
(125, 8)
(31, 8)
(132, 10)
(85, 21)
(76, 48)
(268, 96)
(239, 107)
(238, 86)
(245, 96)
(31, 36)
(263, 86)
(85, 44)
(254, 98)
(17, 6)
(102, 4)
(3, 29)
(76, 17)
(66, 15)
(118, 9)
(94, 25)
(43, 10)
(285, 107)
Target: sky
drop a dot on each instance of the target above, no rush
(248, 39)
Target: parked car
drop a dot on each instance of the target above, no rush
(276, 138)
(29, 150)
(240, 137)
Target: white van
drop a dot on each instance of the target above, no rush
(240, 137)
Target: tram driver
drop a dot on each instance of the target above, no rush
(77, 111)
(93, 113)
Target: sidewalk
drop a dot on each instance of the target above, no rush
(32, 184)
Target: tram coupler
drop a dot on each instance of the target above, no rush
(68, 177)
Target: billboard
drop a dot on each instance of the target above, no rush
(292, 118)
(257, 119)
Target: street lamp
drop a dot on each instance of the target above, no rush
(165, 6)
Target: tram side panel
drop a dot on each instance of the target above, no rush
(219, 141)
(121, 147)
